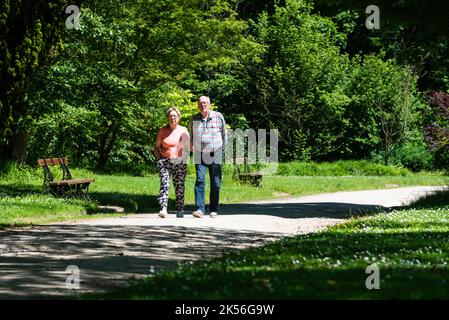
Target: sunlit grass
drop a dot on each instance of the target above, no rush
(22, 201)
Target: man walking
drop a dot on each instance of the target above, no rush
(208, 138)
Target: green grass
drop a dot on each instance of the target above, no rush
(341, 168)
(22, 202)
(138, 194)
(410, 247)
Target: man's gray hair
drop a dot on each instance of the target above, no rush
(204, 98)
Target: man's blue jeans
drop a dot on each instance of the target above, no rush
(215, 183)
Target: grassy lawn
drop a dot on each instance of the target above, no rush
(22, 201)
(410, 247)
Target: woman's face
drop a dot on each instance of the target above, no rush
(173, 118)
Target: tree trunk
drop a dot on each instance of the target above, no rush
(102, 152)
(387, 153)
(19, 146)
(16, 148)
(105, 147)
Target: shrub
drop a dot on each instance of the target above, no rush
(340, 168)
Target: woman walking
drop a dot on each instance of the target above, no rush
(170, 151)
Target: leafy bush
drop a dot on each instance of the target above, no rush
(127, 169)
(412, 154)
(415, 157)
(437, 133)
(18, 175)
(340, 168)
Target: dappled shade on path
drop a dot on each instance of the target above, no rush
(302, 210)
(34, 261)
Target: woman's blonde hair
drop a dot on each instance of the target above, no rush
(175, 110)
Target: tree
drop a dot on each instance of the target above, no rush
(437, 133)
(128, 59)
(30, 32)
(415, 33)
(298, 86)
(382, 107)
(394, 109)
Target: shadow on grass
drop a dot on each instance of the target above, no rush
(130, 202)
(133, 203)
(15, 190)
(301, 283)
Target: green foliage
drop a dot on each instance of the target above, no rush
(340, 168)
(237, 121)
(300, 82)
(412, 32)
(412, 154)
(130, 65)
(308, 68)
(324, 104)
(30, 33)
(383, 106)
(300, 150)
(19, 176)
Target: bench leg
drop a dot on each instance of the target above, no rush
(54, 190)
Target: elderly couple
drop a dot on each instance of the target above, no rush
(206, 137)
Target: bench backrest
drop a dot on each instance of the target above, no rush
(62, 161)
(53, 161)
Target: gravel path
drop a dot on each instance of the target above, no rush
(112, 251)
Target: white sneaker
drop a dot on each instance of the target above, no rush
(213, 214)
(197, 214)
(163, 213)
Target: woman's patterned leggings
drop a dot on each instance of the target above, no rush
(177, 168)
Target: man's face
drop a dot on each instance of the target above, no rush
(203, 106)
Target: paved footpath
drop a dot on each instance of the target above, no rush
(111, 252)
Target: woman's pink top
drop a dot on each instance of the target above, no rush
(172, 142)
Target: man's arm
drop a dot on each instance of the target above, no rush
(224, 134)
(190, 132)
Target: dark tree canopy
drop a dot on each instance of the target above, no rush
(414, 32)
(29, 38)
(310, 68)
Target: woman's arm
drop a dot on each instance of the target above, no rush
(157, 146)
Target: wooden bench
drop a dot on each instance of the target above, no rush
(67, 186)
(254, 178)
